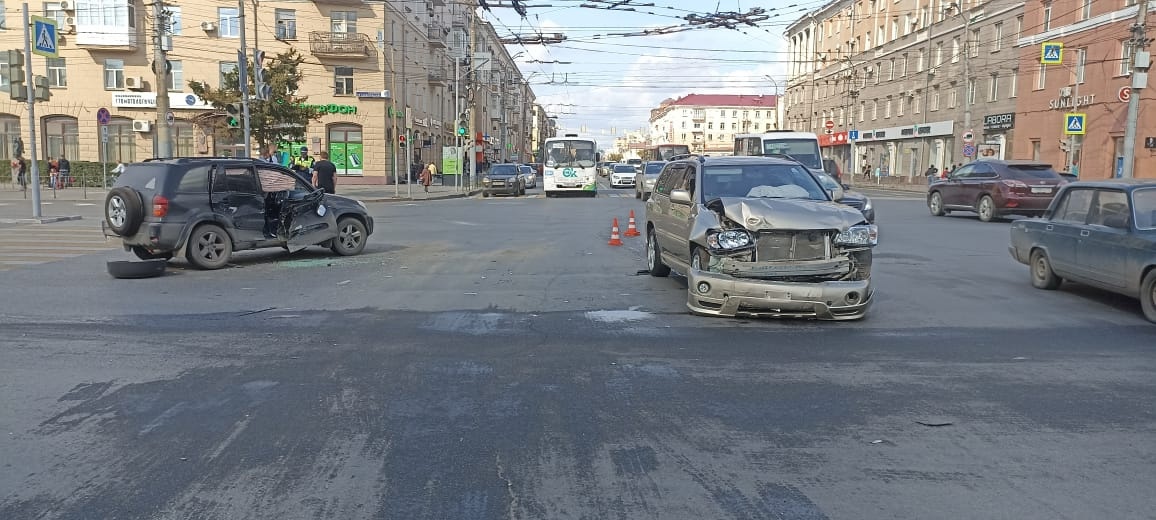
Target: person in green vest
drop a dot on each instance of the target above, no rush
(303, 164)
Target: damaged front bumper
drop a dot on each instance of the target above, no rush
(720, 294)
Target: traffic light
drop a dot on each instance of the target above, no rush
(18, 90)
(462, 129)
(261, 76)
(40, 88)
(233, 115)
(401, 140)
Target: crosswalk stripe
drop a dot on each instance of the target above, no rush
(26, 245)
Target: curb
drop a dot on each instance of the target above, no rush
(416, 199)
(39, 220)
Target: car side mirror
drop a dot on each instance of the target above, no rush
(680, 197)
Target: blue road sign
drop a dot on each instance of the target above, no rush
(853, 135)
(969, 150)
(1075, 124)
(103, 117)
(44, 36)
(1052, 53)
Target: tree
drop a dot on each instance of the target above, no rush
(614, 157)
(283, 118)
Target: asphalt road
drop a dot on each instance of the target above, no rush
(496, 359)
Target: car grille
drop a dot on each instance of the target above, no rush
(773, 246)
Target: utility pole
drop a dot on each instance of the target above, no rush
(405, 112)
(161, 73)
(33, 169)
(1140, 63)
(471, 139)
(971, 86)
(243, 78)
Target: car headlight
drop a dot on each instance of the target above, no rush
(486, 179)
(728, 240)
(861, 235)
(867, 205)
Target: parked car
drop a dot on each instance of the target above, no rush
(759, 236)
(1101, 234)
(622, 176)
(644, 182)
(503, 179)
(209, 208)
(994, 188)
(529, 176)
(843, 194)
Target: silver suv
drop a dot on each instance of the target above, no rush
(759, 236)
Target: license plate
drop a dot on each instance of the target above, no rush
(1041, 190)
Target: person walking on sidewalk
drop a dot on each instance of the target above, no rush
(19, 172)
(325, 174)
(65, 169)
(427, 176)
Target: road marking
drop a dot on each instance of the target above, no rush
(85, 204)
(23, 245)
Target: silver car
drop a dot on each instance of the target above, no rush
(644, 180)
(759, 236)
(1101, 234)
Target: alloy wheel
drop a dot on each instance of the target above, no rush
(210, 246)
(117, 212)
(349, 237)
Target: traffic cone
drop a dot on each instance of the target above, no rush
(631, 228)
(615, 240)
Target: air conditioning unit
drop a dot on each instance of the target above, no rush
(66, 5)
(209, 26)
(1065, 92)
(141, 125)
(133, 83)
(69, 20)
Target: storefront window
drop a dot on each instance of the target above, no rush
(182, 139)
(9, 132)
(345, 149)
(121, 141)
(62, 137)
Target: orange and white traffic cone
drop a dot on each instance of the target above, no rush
(631, 227)
(615, 240)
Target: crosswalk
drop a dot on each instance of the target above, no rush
(30, 244)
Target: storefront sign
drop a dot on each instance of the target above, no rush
(999, 122)
(911, 131)
(177, 101)
(391, 113)
(372, 94)
(421, 122)
(834, 139)
(332, 108)
(1065, 103)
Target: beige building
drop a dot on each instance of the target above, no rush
(901, 75)
(708, 122)
(366, 66)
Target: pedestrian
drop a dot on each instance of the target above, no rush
(20, 166)
(53, 174)
(325, 174)
(931, 173)
(270, 154)
(427, 176)
(303, 164)
(65, 167)
(866, 171)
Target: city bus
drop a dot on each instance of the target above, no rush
(802, 146)
(570, 165)
(663, 152)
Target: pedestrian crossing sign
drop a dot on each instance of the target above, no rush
(1075, 124)
(44, 36)
(1052, 53)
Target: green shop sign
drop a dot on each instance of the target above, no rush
(331, 108)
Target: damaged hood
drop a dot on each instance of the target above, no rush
(758, 214)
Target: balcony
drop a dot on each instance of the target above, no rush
(699, 115)
(438, 76)
(339, 44)
(437, 36)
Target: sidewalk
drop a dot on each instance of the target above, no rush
(363, 192)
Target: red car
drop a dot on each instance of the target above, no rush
(993, 188)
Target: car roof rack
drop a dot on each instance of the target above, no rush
(681, 156)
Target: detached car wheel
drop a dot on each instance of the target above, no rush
(654, 257)
(209, 247)
(129, 270)
(1148, 295)
(1042, 275)
(123, 211)
(351, 237)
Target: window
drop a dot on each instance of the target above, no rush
(874, 109)
(182, 139)
(891, 70)
(723, 113)
(106, 13)
(919, 61)
(955, 49)
(971, 88)
(887, 109)
(174, 28)
(52, 10)
(734, 126)
(1041, 77)
(113, 74)
(343, 21)
(1019, 26)
(862, 111)
(710, 125)
(9, 132)
(1085, 9)
(902, 101)
(904, 63)
(917, 105)
(938, 54)
(934, 99)
(757, 112)
(1125, 58)
(997, 38)
(1110, 210)
(286, 23)
(226, 69)
(343, 79)
(57, 75)
(229, 23)
(993, 88)
(1015, 74)
(734, 113)
(953, 97)
(1035, 149)
(121, 141)
(878, 71)
(1081, 62)
(973, 44)
(61, 137)
(5, 81)
(1075, 206)
(177, 77)
(1047, 25)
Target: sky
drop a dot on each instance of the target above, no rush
(612, 81)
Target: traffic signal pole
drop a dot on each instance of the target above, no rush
(33, 168)
(243, 78)
(161, 74)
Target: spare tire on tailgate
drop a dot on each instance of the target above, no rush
(123, 210)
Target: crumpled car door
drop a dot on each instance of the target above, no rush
(306, 220)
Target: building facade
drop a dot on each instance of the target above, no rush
(708, 122)
(373, 70)
(918, 82)
(1093, 80)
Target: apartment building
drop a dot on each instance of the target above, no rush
(911, 78)
(1093, 80)
(370, 67)
(708, 122)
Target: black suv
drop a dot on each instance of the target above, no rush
(210, 207)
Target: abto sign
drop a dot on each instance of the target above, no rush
(569, 172)
(999, 121)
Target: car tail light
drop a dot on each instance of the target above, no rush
(1012, 183)
(160, 206)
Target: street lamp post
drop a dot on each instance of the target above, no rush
(776, 94)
